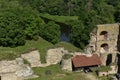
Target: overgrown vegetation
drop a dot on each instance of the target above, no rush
(61, 19)
(104, 68)
(68, 46)
(67, 56)
(41, 45)
(20, 20)
(22, 26)
(57, 74)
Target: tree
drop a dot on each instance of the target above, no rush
(76, 35)
(51, 32)
(11, 34)
(54, 7)
(117, 13)
(105, 12)
(113, 2)
(18, 24)
(116, 5)
(30, 22)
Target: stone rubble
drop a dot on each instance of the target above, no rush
(25, 71)
(14, 69)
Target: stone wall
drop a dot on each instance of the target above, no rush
(8, 66)
(109, 37)
(100, 74)
(112, 29)
(66, 64)
(112, 36)
(113, 70)
(14, 69)
(105, 73)
(10, 76)
(103, 58)
(33, 58)
(54, 56)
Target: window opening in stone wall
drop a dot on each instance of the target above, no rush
(104, 34)
(105, 46)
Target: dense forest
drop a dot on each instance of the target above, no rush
(22, 20)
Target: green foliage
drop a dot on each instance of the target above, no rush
(17, 24)
(67, 56)
(57, 18)
(26, 62)
(41, 44)
(8, 5)
(67, 46)
(46, 6)
(24, 18)
(104, 78)
(117, 12)
(8, 55)
(77, 35)
(104, 11)
(20, 20)
(31, 28)
(104, 68)
(51, 32)
(57, 74)
(90, 14)
(11, 34)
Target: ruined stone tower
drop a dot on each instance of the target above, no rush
(104, 42)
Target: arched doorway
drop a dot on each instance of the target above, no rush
(118, 62)
(109, 59)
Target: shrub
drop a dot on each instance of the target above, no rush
(67, 56)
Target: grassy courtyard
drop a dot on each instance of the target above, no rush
(55, 73)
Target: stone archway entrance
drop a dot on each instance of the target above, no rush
(118, 62)
(109, 59)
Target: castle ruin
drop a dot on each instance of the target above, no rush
(104, 42)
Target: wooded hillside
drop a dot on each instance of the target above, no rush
(22, 20)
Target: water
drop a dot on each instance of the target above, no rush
(65, 33)
(65, 30)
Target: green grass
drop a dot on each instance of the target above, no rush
(7, 53)
(57, 74)
(11, 53)
(104, 68)
(67, 56)
(62, 19)
(68, 46)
